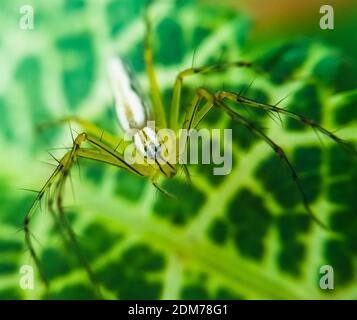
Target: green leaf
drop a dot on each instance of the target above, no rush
(241, 236)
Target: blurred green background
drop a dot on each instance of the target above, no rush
(241, 236)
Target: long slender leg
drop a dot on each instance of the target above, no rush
(186, 172)
(100, 157)
(103, 154)
(87, 127)
(28, 218)
(73, 240)
(176, 96)
(214, 101)
(59, 190)
(194, 115)
(152, 171)
(221, 95)
(155, 183)
(57, 222)
(159, 111)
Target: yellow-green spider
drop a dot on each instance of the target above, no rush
(133, 112)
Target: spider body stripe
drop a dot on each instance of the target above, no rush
(147, 143)
(130, 108)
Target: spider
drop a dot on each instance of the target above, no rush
(133, 112)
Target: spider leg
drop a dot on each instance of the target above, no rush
(69, 159)
(149, 62)
(28, 218)
(59, 177)
(155, 183)
(176, 96)
(212, 100)
(186, 172)
(86, 126)
(102, 153)
(57, 223)
(221, 95)
(73, 240)
(194, 115)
